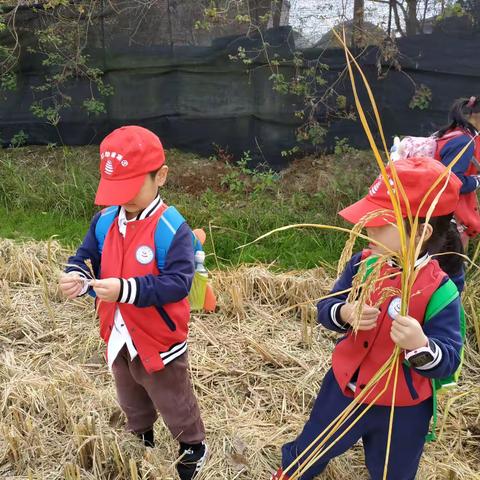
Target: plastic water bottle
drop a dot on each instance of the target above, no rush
(200, 263)
(200, 285)
(394, 151)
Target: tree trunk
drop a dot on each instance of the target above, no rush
(258, 10)
(277, 7)
(411, 22)
(358, 18)
(396, 15)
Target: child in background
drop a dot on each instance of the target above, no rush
(464, 124)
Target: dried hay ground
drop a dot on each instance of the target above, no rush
(256, 368)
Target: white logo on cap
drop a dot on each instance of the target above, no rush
(392, 183)
(113, 155)
(144, 254)
(374, 188)
(109, 167)
(394, 307)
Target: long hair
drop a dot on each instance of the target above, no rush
(445, 238)
(459, 115)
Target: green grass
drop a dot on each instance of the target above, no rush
(237, 223)
(46, 192)
(22, 225)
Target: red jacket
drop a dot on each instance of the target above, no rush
(467, 212)
(153, 329)
(366, 351)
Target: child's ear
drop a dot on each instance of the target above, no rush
(161, 176)
(428, 232)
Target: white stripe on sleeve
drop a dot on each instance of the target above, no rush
(333, 315)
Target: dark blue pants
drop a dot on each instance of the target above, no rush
(410, 425)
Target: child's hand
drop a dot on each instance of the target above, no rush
(71, 284)
(368, 317)
(407, 333)
(106, 289)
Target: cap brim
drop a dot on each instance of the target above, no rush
(118, 192)
(355, 212)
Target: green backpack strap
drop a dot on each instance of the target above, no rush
(442, 297)
(370, 262)
(431, 435)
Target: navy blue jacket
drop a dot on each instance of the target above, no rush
(450, 150)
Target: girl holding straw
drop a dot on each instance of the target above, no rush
(367, 395)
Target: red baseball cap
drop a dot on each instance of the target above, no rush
(127, 155)
(417, 175)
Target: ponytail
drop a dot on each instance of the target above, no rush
(451, 242)
(459, 115)
(445, 238)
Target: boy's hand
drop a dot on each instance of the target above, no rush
(71, 284)
(407, 333)
(106, 289)
(368, 317)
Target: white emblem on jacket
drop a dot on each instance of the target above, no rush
(144, 254)
(394, 307)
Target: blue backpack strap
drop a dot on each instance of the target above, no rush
(104, 222)
(167, 227)
(197, 246)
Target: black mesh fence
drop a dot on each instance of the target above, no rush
(180, 81)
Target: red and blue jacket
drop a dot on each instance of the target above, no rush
(449, 146)
(464, 169)
(153, 304)
(357, 357)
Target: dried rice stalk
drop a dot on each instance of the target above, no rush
(55, 379)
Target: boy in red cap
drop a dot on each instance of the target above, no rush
(431, 346)
(143, 310)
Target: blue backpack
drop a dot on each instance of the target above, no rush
(167, 226)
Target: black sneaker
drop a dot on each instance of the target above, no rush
(147, 438)
(191, 461)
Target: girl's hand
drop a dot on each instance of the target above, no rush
(106, 289)
(407, 333)
(368, 316)
(71, 284)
